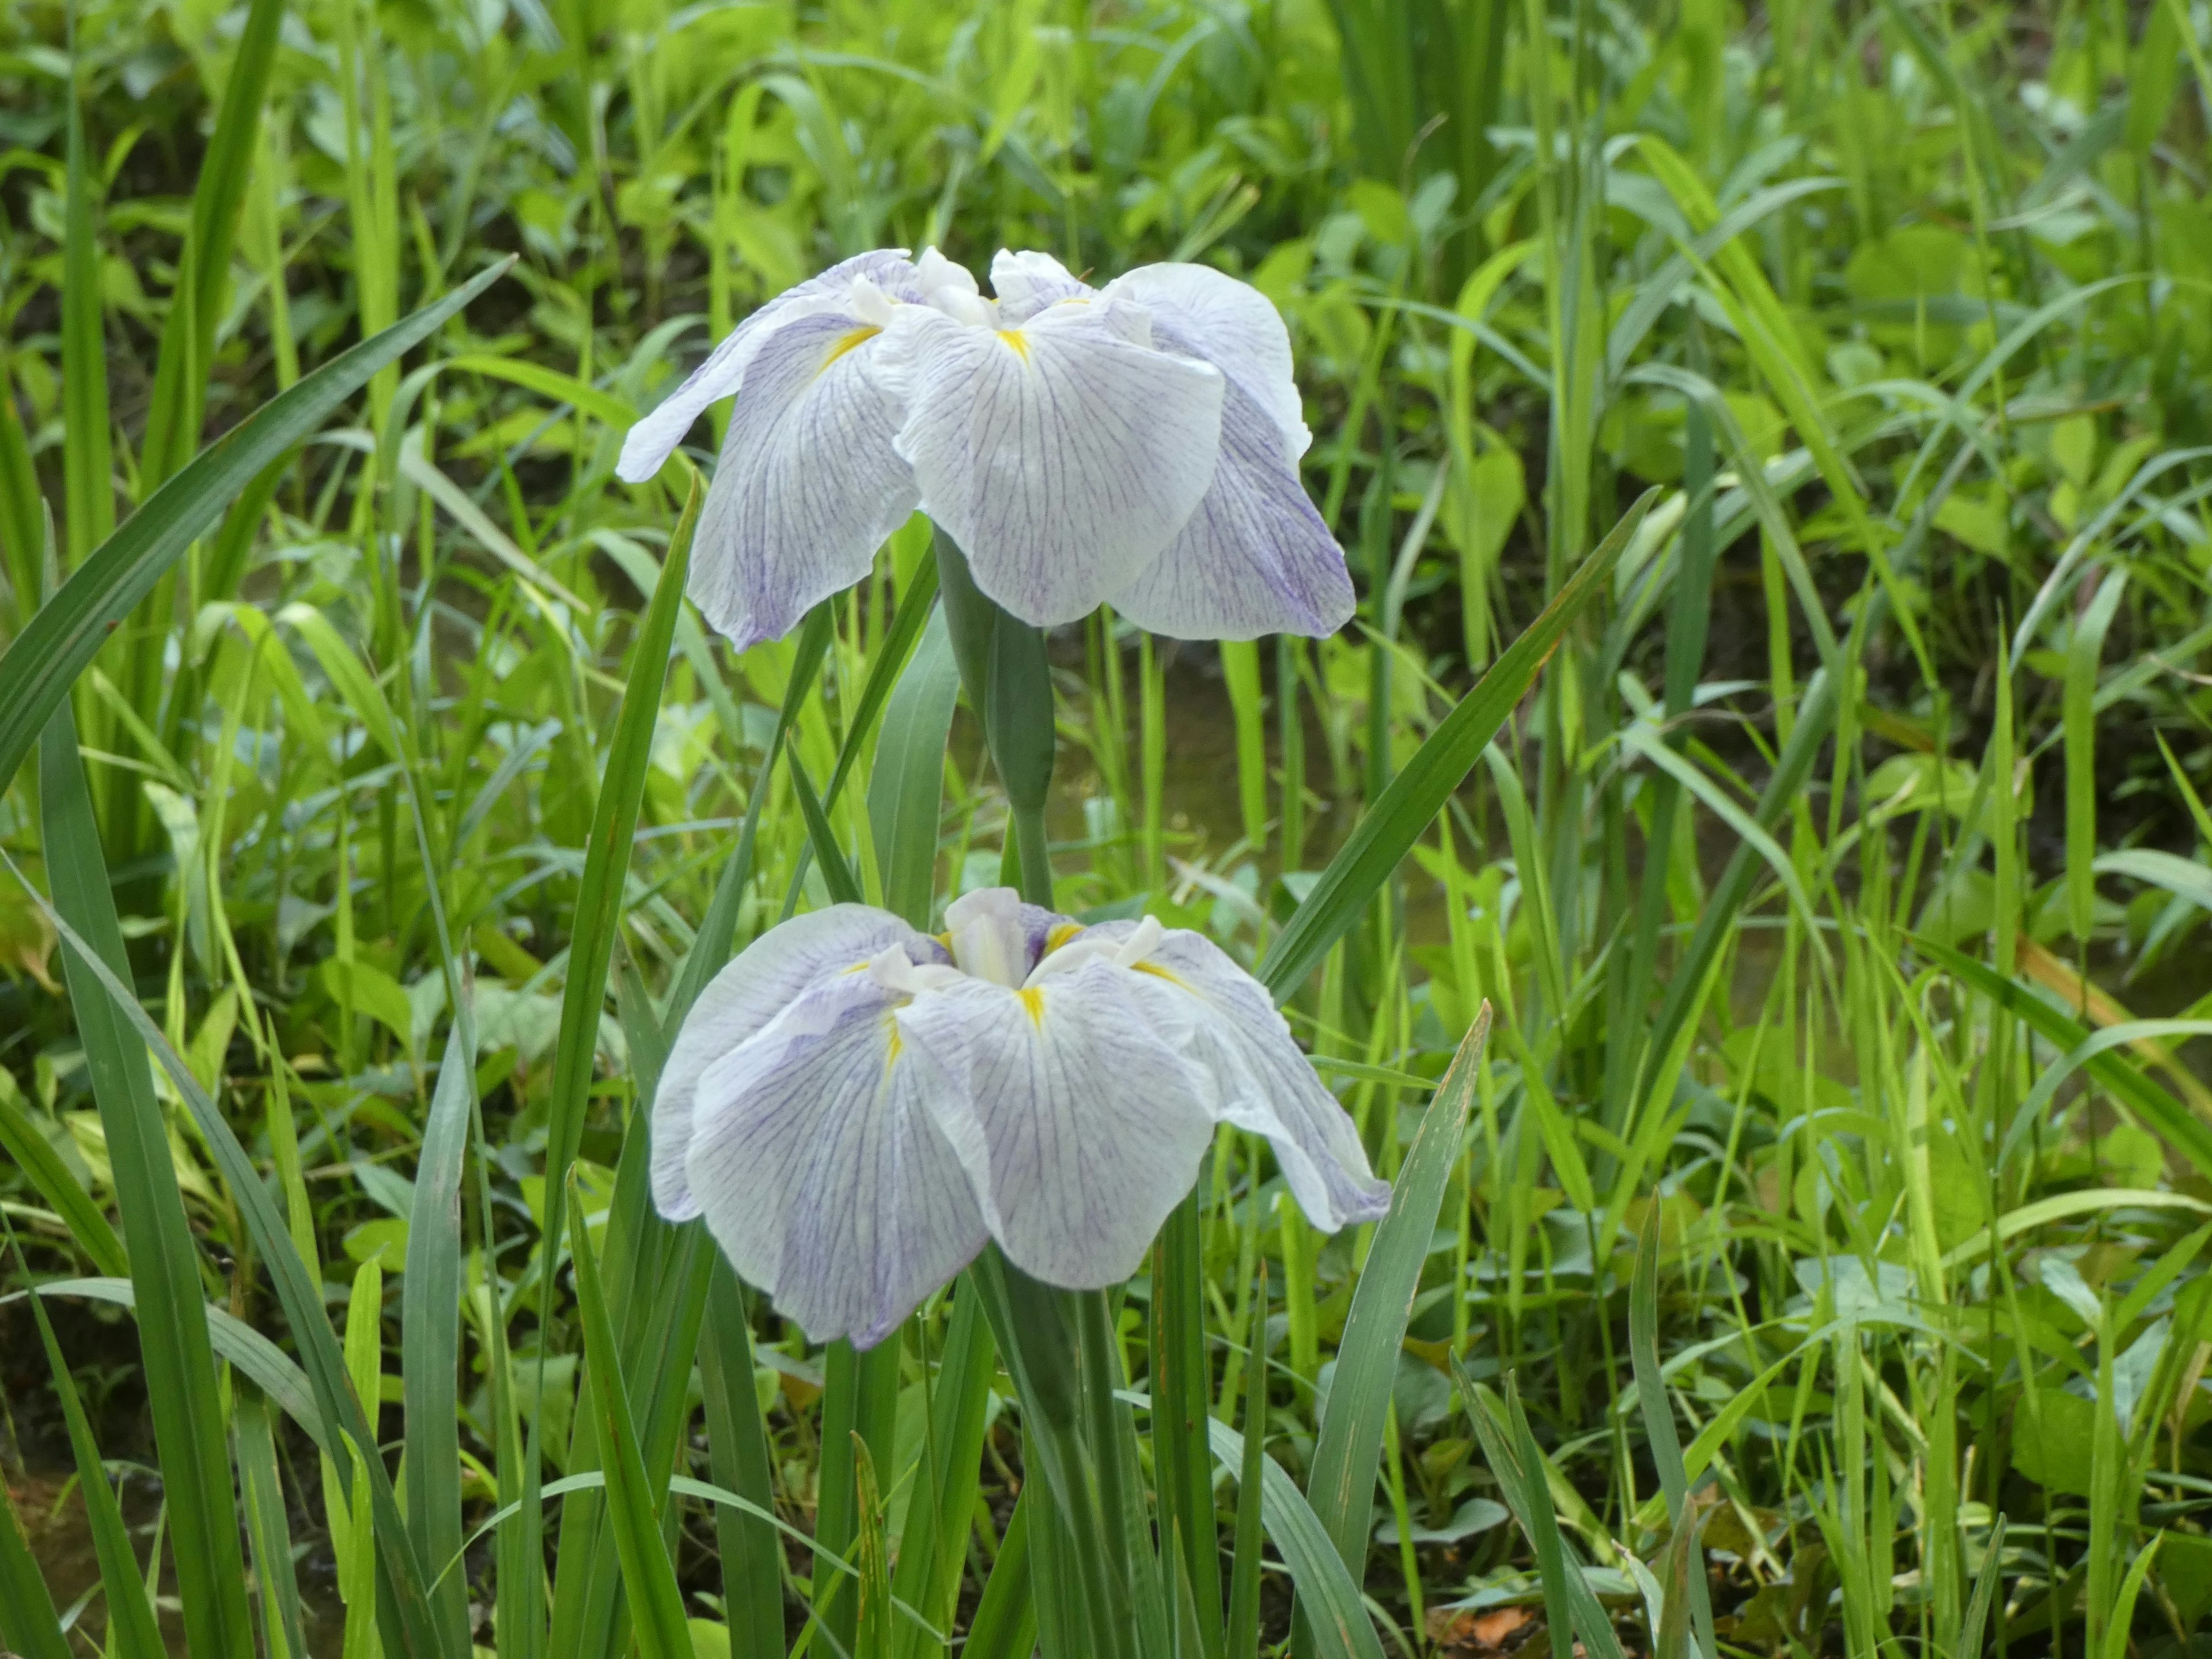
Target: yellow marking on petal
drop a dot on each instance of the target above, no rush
(1060, 935)
(1012, 337)
(845, 343)
(1159, 972)
(897, 1043)
(1033, 999)
(857, 968)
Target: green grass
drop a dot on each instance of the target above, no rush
(1814, 1261)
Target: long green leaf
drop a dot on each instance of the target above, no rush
(1327, 1593)
(1348, 1448)
(1405, 809)
(906, 792)
(132, 1633)
(268, 1529)
(737, 1447)
(55, 646)
(181, 1388)
(180, 372)
(28, 1622)
(633, 1513)
(2183, 1129)
(429, 1329)
(53, 1180)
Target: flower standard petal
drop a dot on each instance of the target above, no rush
(1027, 283)
(654, 439)
(767, 975)
(1267, 1086)
(1231, 325)
(1073, 1109)
(821, 1171)
(1255, 557)
(1063, 456)
(809, 485)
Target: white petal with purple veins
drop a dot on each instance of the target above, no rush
(821, 1172)
(1232, 325)
(737, 1003)
(1266, 1084)
(654, 439)
(1074, 1109)
(1255, 558)
(1063, 456)
(809, 486)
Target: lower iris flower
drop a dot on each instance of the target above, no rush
(855, 1107)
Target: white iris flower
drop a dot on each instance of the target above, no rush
(855, 1107)
(1137, 444)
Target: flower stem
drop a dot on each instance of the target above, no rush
(1009, 684)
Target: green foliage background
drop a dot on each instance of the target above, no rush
(1839, 888)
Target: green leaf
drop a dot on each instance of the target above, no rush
(201, 294)
(737, 1445)
(29, 1623)
(181, 1389)
(52, 1180)
(1348, 1446)
(1405, 809)
(2186, 1132)
(429, 1329)
(1005, 1625)
(657, 1620)
(67, 632)
(88, 454)
(268, 1528)
(132, 1630)
(1328, 1597)
(906, 792)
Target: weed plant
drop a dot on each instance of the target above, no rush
(1812, 1262)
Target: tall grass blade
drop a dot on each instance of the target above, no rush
(403, 1608)
(737, 1447)
(633, 1504)
(1327, 1595)
(132, 1633)
(29, 1621)
(268, 1529)
(429, 1329)
(202, 292)
(1348, 1446)
(182, 1393)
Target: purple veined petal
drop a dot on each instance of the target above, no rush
(1254, 558)
(652, 440)
(1265, 1083)
(1072, 1108)
(770, 975)
(1231, 324)
(1027, 283)
(1063, 455)
(821, 1171)
(809, 486)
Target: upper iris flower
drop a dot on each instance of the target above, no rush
(854, 1107)
(1136, 444)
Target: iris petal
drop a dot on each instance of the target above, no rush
(1232, 325)
(739, 1002)
(1255, 557)
(1266, 1084)
(821, 1171)
(1063, 455)
(654, 439)
(809, 485)
(1074, 1110)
